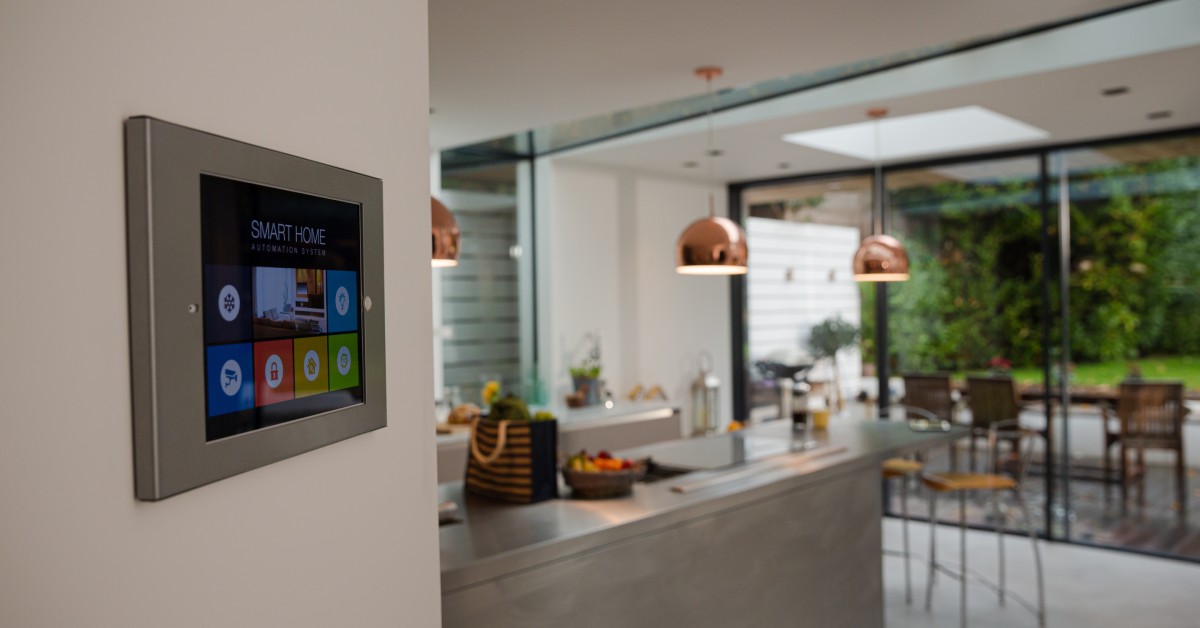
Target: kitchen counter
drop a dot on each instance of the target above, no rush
(527, 554)
(571, 419)
(627, 424)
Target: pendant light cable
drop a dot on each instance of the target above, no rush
(713, 245)
(877, 115)
(712, 204)
(880, 257)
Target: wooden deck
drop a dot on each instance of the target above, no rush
(1096, 511)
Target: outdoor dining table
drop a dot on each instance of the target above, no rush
(1088, 395)
(1079, 395)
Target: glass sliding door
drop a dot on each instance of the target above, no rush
(1074, 272)
(1133, 321)
(975, 302)
(806, 317)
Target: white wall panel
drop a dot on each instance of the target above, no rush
(800, 275)
(611, 267)
(341, 536)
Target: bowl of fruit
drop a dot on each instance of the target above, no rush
(601, 476)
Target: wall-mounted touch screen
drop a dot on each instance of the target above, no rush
(256, 305)
(281, 332)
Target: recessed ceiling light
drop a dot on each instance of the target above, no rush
(1159, 115)
(1119, 90)
(920, 134)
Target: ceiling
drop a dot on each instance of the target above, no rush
(1067, 103)
(503, 68)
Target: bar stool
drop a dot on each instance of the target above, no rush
(995, 483)
(903, 469)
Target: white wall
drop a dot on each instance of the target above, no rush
(342, 536)
(583, 280)
(611, 237)
(781, 310)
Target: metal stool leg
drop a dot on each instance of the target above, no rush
(1000, 536)
(1037, 559)
(932, 550)
(962, 536)
(904, 528)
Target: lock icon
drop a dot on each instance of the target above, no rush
(274, 371)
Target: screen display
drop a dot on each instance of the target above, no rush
(282, 276)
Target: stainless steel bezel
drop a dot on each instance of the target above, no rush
(164, 162)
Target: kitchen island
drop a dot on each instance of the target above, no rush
(789, 534)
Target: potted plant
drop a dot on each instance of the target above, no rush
(825, 340)
(585, 376)
(586, 380)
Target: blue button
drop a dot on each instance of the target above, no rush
(343, 301)
(230, 373)
(226, 305)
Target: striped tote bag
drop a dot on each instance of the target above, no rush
(513, 461)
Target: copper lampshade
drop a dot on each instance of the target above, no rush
(711, 246)
(881, 258)
(446, 236)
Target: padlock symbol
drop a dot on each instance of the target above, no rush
(274, 371)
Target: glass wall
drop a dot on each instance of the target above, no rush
(804, 310)
(1133, 322)
(973, 235)
(483, 307)
(975, 303)
(1087, 311)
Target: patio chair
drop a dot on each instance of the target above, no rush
(1149, 415)
(932, 392)
(993, 399)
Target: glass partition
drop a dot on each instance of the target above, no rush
(1133, 303)
(807, 320)
(483, 312)
(974, 305)
(1091, 312)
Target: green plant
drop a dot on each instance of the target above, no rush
(977, 267)
(509, 408)
(585, 372)
(830, 336)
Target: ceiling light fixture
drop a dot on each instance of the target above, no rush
(446, 236)
(880, 257)
(714, 245)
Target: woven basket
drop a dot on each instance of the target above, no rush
(601, 484)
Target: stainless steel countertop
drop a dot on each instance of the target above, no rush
(495, 538)
(582, 418)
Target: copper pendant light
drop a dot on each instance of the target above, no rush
(880, 257)
(714, 245)
(446, 236)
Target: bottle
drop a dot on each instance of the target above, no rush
(800, 401)
(706, 387)
(785, 397)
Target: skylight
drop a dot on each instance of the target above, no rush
(900, 137)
